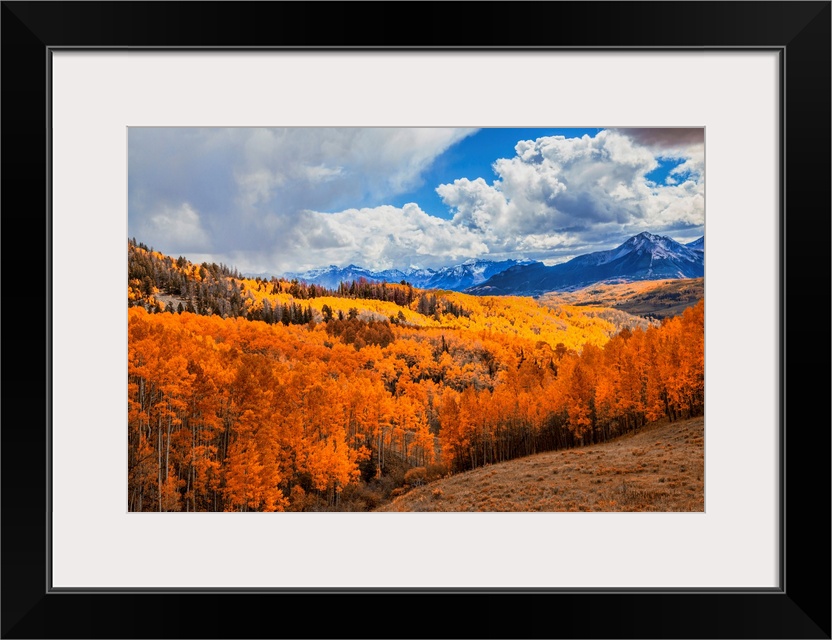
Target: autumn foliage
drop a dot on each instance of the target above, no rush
(227, 413)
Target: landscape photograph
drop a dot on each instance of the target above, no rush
(415, 319)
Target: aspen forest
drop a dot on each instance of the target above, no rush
(255, 394)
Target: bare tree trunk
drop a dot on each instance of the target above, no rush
(167, 450)
(159, 465)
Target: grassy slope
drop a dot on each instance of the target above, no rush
(660, 468)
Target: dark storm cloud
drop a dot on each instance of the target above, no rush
(665, 138)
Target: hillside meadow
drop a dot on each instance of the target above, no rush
(660, 468)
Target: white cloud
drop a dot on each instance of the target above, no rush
(384, 237)
(376, 237)
(180, 226)
(322, 173)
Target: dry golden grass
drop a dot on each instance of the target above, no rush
(660, 468)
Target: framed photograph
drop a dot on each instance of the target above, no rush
(312, 210)
(442, 344)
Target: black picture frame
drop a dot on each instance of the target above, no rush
(799, 31)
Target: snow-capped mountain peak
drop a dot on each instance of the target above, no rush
(455, 277)
(645, 256)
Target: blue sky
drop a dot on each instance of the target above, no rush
(277, 200)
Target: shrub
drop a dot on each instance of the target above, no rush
(435, 471)
(359, 497)
(416, 476)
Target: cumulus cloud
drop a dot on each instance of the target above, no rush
(378, 238)
(387, 237)
(577, 193)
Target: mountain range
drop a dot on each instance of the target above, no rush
(455, 278)
(643, 257)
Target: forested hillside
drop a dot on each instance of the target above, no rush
(263, 395)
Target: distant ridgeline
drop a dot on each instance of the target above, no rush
(643, 257)
(161, 283)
